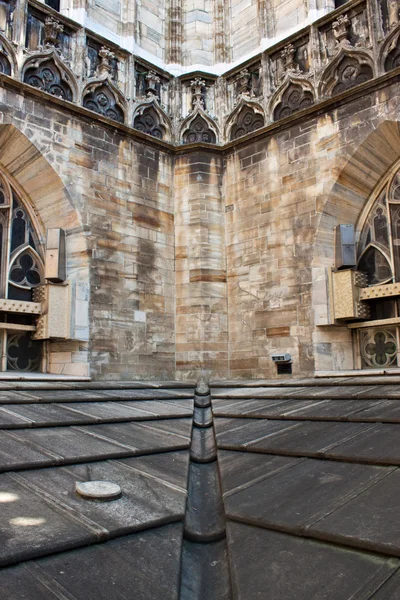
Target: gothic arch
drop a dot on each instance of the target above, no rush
(355, 183)
(43, 200)
(350, 67)
(198, 127)
(150, 118)
(47, 72)
(246, 117)
(295, 93)
(389, 54)
(103, 97)
(8, 59)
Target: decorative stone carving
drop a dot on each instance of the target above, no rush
(199, 131)
(350, 72)
(148, 121)
(247, 120)
(393, 13)
(198, 86)
(52, 28)
(294, 98)
(45, 75)
(341, 30)
(243, 83)
(287, 56)
(101, 99)
(152, 81)
(106, 56)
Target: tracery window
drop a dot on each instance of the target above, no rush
(21, 269)
(378, 256)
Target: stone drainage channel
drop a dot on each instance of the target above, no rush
(204, 567)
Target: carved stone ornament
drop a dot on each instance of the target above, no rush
(152, 80)
(197, 86)
(51, 30)
(294, 98)
(46, 76)
(199, 131)
(102, 100)
(243, 82)
(349, 73)
(341, 30)
(149, 122)
(106, 57)
(287, 56)
(248, 120)
(394, 13)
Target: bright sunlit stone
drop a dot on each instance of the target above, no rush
(27, 521)
(8, 497)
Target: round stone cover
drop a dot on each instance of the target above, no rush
(98, 490)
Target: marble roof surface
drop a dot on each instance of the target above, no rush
(282, 490)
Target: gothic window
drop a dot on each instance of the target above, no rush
(247, 121)
(5, 66)
(378, 256)
(101, 100)
(350, 73)
(393, 58)
(293, 99)
(21, 270)
(149, 122)
(47, 77)
(199, 131)
(53, 3)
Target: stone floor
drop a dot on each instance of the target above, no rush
(282, 490)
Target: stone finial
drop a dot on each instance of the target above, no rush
(393, 14)
(152, 79)
(197, 85)
(106, 57)
(287, 56)
(51, 30)
(244, 82)
(341, 30)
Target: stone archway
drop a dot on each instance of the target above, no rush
(344, 202)
(51, 205)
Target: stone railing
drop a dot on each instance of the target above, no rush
(348, 47)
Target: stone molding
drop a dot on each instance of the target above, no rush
(346, 34)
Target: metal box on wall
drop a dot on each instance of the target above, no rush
(345, 248)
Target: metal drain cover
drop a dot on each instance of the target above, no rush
(98, 490)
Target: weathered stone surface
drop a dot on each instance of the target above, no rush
(205, 572)
(147, 562)
(279, 564)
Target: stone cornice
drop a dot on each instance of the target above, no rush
(319, 108)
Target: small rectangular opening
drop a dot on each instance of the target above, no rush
(284, 368)
(53, 4)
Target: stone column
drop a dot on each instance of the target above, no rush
(201, 299)
(174, 39)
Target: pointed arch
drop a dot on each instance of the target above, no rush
(295, 93)
(350, 67)
(198, 127)
(355, 184)
(47, 72)
(103, 97)
(247, 116)
(8, 58)
(150, 118)
(389, 54)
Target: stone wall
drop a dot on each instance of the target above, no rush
(285, 194)
(123, 304)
